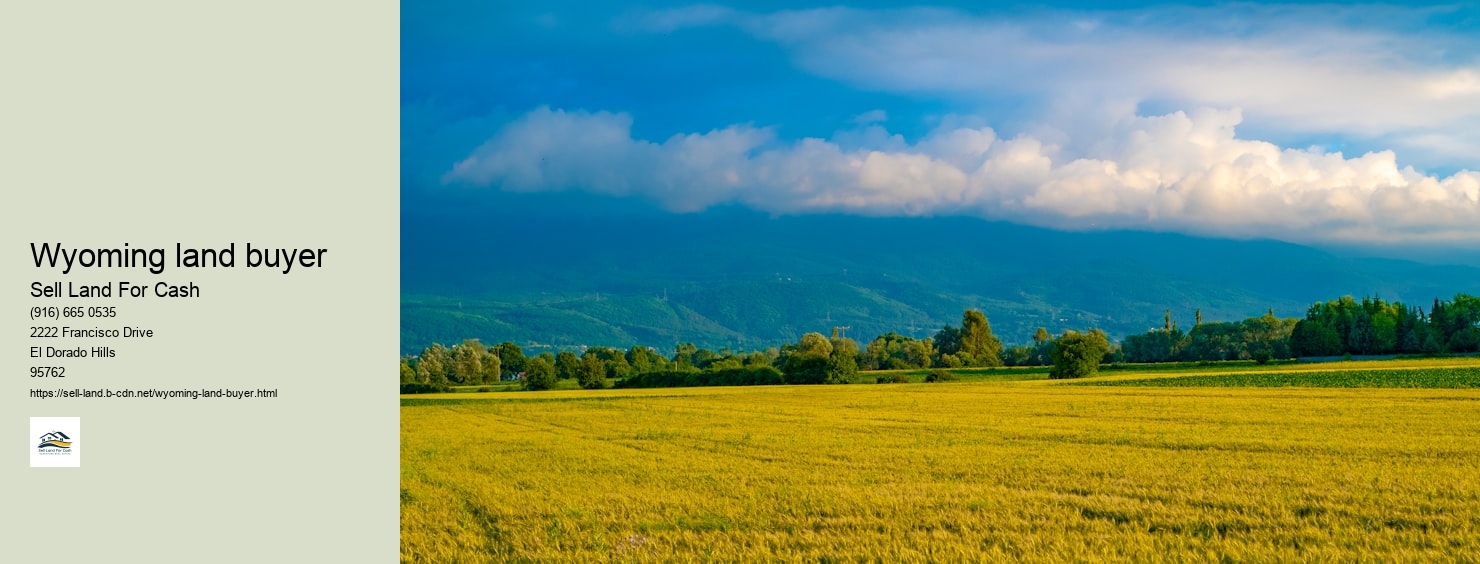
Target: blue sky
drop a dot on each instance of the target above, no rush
(1322, 124)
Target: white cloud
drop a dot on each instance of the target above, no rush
(1181, 172)
(1299, 69)
(557, 150)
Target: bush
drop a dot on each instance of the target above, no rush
(416, 388)
(539, 374)
(1076, 355)
(842, 367)
(1465, 340)
(939, 375)
(896, 378)
(747, 376)
(591, 372)
(806, 369)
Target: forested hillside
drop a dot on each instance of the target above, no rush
(745, 281)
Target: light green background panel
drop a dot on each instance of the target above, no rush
(206, 124)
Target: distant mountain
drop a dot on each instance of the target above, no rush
(743, 280)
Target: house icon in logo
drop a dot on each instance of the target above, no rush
(61, 443)
(55, 439)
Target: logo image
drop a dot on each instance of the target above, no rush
(55, 440)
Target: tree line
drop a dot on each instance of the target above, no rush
(812, 359)
(1257, 338)
(1374, 326)
(1342, 326)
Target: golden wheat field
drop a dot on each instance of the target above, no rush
(962, 471)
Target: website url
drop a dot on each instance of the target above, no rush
(42, 393)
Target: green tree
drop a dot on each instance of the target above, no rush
(757, 358)
(1465, 340)
(613, 360)
(643, 359)
(431, 366)
(1076, 355)
(511, 357)
(947, 341)
(805, 369)
(1384, 332)
(977, 340)
(892, 351)
(919, 352)
(467, 362)
(539, 374)
(1311, 338)
(725, 362)
(815, 344)
(807, 361)
(1362, 338)
(1411, 342)
(565, 365)
(703, 358)
(1020, 355)
(1216, 341)
(842, 362)
(408, 374)
(492, 367)
(591, 373)
(1265, 333)
(1464, 313)
(1041, 336)
(1431, 344)
(1156, 345)
(683, 357)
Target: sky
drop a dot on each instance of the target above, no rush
(1337, 125)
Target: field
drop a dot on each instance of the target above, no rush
(983, 469)
(1370, 378)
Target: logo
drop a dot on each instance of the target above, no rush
(55, 442)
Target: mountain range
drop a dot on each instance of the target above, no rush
(743, 280)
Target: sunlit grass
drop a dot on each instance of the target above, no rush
(963, 471)
(1431, 377)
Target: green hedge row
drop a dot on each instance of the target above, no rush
(749, 376)
(423, 389)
